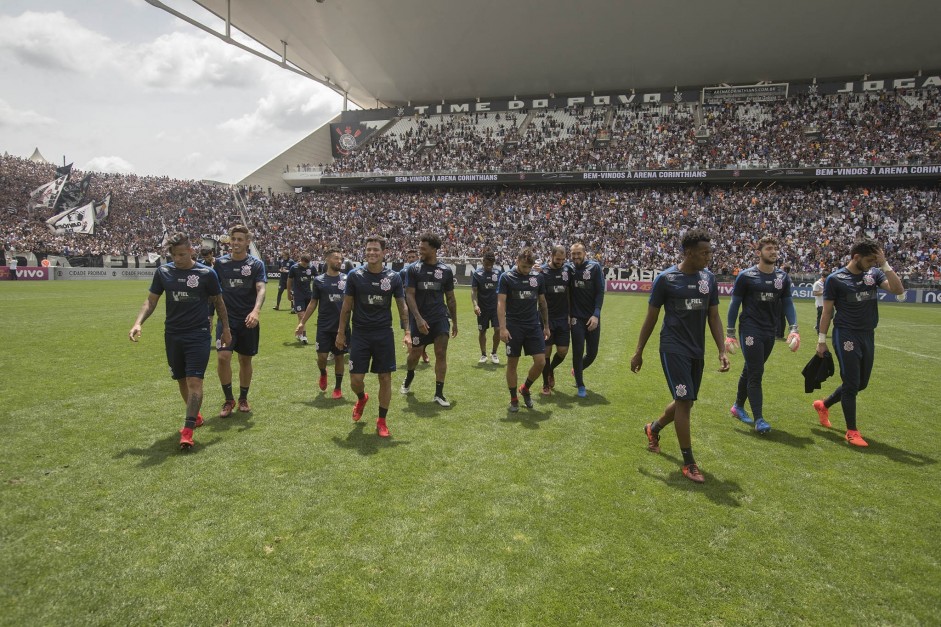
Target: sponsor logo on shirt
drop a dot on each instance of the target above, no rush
(694, 304)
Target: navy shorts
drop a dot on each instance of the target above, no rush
(561, 332)
(188, 353)
(326, 342)
(487, 319)
(441, 327)
(374, 346)
(684, 375)
(300, 304)
(244, 340)
(528, 340)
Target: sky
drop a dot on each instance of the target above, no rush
(122, 86)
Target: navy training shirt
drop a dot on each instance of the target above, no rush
(761, 295)
(522, 297)
(557, 290)
(188, 293)
(372, 297)
(855, 298)
(430, 283)
(302, 278)
(587, 289)
(328, 290)
(486, 283)
(686, 299)
(238, 280)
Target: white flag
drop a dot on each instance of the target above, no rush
(77, 220)
(47, 195)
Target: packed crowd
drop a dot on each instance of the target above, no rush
(627, 227)
(884, 128)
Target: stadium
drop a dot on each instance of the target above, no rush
(497, 127)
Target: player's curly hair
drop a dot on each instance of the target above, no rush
(177, 239)
(431, 239)
(865, 247)
(694, 236)
(765, 241)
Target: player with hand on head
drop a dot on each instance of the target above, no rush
(689, 295)
(327, 291)
(761, 291)
(524, 323)
(191, 289)
(852, 292)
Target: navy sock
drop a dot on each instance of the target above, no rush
(323, 372)
(655, 426)
(190, 422)
(339, 381)
(243, 393)
(513, 396)
(556, 360)
(687, 456)
(227, 390)
(383, 412)
(360, 395)
(409, 377)
(439, 388)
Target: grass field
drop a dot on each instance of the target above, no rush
(293, 514)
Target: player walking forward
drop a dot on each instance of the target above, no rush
(853, 293)
(556, 274)
(689, 295)
(369, 293)
(191, 288)
(243, 279)
(484, 283)
(761, 291)
(587, 297)
(300, 277)
(524, 323)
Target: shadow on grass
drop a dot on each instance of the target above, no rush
(716, 490)
(777, 436)
(593, 398)
(323, 400)
(880, 448)
(164, 449)
(293, 344)
(426, 409)
(366, 441)
(240, 421)
(527, 418)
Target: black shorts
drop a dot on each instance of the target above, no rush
(561, 332)
(684, 375)
(441, 327)
(300, 304)
(487, 319)
(326, 342)
(376, 347)
(244, 340)
(528, 340)
(188, 353)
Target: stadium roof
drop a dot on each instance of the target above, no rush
(423, 51)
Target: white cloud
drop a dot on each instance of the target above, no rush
(54, 41)
(217, 170)
(113, 164)
(16, 117)
(290, 104)
(178, 61)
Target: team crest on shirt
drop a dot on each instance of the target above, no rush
(533, 282)
(704, 286)
(246, 270)
(438, 274)
(586, 274)
(385, 284)
(565, 276)
(848, 346)
(778, 283)
(868, 280)
(681, 390)
(341, 284)
(192, 281)
(493, 277)
(749, 341)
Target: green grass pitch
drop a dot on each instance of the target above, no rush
(293, 514)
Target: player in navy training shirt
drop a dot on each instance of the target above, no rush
(191, 289)
(284, 266)
(853, 292)
(327, 291)
(243, 279)
(484, 299)
(370, 290)
(556, 274)
(300, 277)
(429, 291)
(586, 294)
(689, 295)
(524, 323)
(762, 292)
(411, 256)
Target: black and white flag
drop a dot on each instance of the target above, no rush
(74, 220)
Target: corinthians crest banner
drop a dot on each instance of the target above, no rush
(347, 137)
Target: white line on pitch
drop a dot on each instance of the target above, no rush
(901, 350)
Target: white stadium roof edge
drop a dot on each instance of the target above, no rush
(387, 54)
